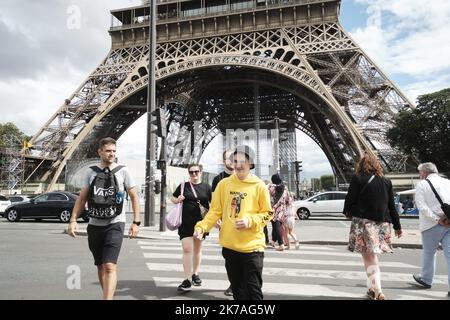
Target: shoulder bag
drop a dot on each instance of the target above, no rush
(203, 210)
(444, 206)
(174, 216)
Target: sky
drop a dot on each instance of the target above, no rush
(49, 47)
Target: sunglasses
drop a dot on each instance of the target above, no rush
(194, 172)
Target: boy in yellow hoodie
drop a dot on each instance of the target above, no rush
(242, 201)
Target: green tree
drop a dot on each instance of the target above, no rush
(315, 184)
(424, 131)
(327, 182)
(10, 134)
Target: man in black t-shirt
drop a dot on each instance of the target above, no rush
(228, 171)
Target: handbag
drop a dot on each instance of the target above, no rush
(174, 217)
(203, 210)
(444, 206)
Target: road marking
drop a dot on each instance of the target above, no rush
(177, 256)
(209, 244)
(210, 286)
(286, 252)
(306, 273)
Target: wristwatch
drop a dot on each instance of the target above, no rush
(138, 223)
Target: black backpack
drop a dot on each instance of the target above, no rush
(105, 201)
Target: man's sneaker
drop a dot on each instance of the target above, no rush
(228, 292)
(185, 286)
(196, 281)
(420, 281)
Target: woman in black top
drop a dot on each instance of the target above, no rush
(370, 204)
(194, 192)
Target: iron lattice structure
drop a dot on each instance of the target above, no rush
(11, 163)
(228, 63)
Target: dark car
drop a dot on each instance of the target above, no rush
(51, 205)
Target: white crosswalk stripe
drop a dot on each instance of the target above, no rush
(291, 273)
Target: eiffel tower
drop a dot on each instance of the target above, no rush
(230, 64)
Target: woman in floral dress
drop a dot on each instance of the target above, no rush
(370, 205)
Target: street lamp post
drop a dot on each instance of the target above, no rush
(149, 216)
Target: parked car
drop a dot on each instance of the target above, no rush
(323, 203)
(405, 202)
(19, 198)
(4, 203)
(51, 205)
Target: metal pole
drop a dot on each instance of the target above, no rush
(277, 145)
(257, 127)
(149, 215)
(162, 207)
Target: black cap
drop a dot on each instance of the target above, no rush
(248, 152)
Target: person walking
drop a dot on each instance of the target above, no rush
(370, 205)
(433, 223)
(196, 196)
(281, 200)
(105, 235)
(228, 171)
(242, 201)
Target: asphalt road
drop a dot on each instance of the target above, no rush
(40, 262)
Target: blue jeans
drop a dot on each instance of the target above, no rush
(430, 241)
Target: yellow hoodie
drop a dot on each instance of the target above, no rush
(232, 199)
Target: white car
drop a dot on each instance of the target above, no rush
(4, 203)
(322, 203)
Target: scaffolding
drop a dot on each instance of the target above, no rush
(11, 164)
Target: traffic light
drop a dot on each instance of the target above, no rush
(157, 187)
(161, 164)
(282, 132)
(298, 166)
(159, 122)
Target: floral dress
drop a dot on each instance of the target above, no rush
(283, 208)
(367, 236)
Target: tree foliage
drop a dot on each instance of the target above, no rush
(315, 184)
(11, 136)
(425, 131)
(327, 182)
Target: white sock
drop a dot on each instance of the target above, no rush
(374, 278)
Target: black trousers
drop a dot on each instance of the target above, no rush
(244, 273)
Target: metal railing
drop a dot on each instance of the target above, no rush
(175, 16)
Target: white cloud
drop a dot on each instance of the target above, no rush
(409, 38)
(43, 61)
(315, 163)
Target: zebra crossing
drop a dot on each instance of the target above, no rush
(312, 272)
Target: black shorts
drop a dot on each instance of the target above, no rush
(187, 230)
(105, 242)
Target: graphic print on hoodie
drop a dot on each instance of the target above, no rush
(236, 199)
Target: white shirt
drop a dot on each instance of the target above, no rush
(430, 210)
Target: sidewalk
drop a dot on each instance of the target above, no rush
(410, 239)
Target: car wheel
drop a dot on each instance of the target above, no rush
(303, 214)
(13, 215)
(64, 216)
